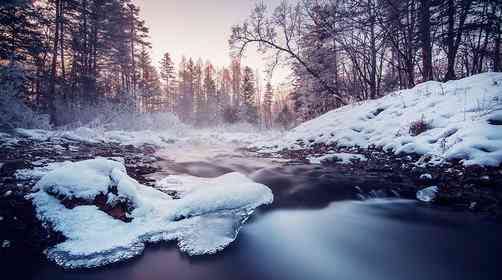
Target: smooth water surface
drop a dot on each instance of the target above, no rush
(316, 229)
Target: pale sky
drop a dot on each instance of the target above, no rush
(198, 28)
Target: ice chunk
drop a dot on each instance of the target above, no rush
(428, 194)
(205, 220)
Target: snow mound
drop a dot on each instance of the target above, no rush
(205, 220)
(84, 179)
(457, 120)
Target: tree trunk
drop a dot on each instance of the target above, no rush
(52, 84)
(61, 39)
(425, 39)
(451, 53)
(373, 52)
(498, 33)
(133, 61)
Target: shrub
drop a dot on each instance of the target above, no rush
(418, 127)
(14, 113)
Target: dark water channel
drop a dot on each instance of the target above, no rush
(317, 229)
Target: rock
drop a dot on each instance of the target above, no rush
(473, 205)
(148, 149)
(7, 193)
(6, 244)
(8, 168)
(485, 178)
(428, 194)
(426, 177)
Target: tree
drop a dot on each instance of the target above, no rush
(267, 105)
(261, 30)
(211, 94)
(248, 108)
(285, 118)
(236, 82)
(425, 39)
(167, 74)
(148, 83)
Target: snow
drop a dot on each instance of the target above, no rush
(38, 171)
(463, 118)
(426, 176)
(428, 194)
(35, 134)
(5, 244)
(343, 158)
(205, 220)
(84, 179)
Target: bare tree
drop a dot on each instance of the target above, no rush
(279, 33)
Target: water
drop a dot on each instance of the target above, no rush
(317, 230)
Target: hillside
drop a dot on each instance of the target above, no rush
(457, 120)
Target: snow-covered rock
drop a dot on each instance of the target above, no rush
(462, 117)
(5, 244)
(343, 158)
(428, 194)
(205, 220)
(426, 176)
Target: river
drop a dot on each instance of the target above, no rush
(316, 229)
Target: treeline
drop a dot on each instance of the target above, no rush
(203, 94)
(342, 51)
(78, 60)
(74, 55)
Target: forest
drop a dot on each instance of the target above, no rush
(68, 61)
(251, 139)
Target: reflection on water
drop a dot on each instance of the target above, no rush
(347, 240)
(313, 231)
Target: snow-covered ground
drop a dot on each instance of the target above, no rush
(205, 219)
(238, 135)
(456, 120)
(462, 120)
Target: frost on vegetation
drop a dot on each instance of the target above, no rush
(461, 121)
(206, 218)
(13, 112)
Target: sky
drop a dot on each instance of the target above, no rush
(198, 29)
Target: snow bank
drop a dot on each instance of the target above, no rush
(463, 121)
(205, 220)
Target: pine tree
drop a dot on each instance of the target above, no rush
(236, 82)
(148, 83)
(211, 94)
(267, 105)
(186, 102)
(167, 74)
(248, 108)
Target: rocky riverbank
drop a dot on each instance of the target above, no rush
(474, 188)
(369, 173)
(21, 158)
